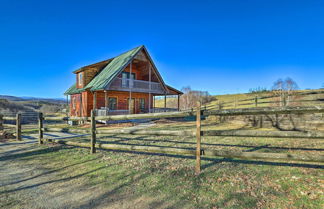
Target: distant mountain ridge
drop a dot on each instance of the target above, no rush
(26, 98)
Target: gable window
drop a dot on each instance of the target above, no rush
(142, 104)
(128, 79)
(112, 103)
(80, 79)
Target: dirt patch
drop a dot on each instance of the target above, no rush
(33, 183)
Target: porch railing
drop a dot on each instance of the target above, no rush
(136, 86)
(154, 110)
(106, 112)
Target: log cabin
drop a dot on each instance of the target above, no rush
(125, 84)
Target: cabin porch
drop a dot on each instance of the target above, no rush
(116, 103)
(119, 103)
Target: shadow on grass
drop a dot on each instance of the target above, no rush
(52, 181)
(255, 162)
(259, 148)
(116, 195)
(48, 172)
(28, 141)
(112, 196)
(32, 153)
(141, 138)
(51, 135)
(106, 198)
(13, 151)
(214, 161)
(28, 137)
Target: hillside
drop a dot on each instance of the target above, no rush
(264, 99)
(267, 99)
(33, 99)
(10, 105)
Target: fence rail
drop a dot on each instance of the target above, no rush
(17, 119)
(203, 152)
(205, 112)
(269, 134)
(257, 100)
(265, 111)
(232, 133)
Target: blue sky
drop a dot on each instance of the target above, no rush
(218, 46)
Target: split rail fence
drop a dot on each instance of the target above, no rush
(198, 133)
(272, 100)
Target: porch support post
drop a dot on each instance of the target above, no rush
(149, 89)
(81, 105)
(94, 100)
(106, 103)
(153, 103)
(178, 102)
(106, 99)
(68, 105)
(164, 102)
(130, 89)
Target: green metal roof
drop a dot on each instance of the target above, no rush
(112, 69)
(73, 90)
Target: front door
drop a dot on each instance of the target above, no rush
(131, 106)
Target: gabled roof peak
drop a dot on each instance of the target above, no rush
(104, 62)
(109, 72)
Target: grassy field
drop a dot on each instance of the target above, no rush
(247, 100)
(266, 99)
(147, 180)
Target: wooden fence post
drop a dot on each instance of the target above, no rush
(219, 105)
(198, 136)
(93, 133)
(40, 128)
(1, 122)
(18, 126)
(261, 121)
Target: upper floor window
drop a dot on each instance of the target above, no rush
(128, 79)
(80, 79)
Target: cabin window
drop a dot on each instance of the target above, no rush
(128, 79)
(112, 103)
(80, 79)
(142, 103)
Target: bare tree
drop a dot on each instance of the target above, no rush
(190, 98)
(284, 91)
(290, 87)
